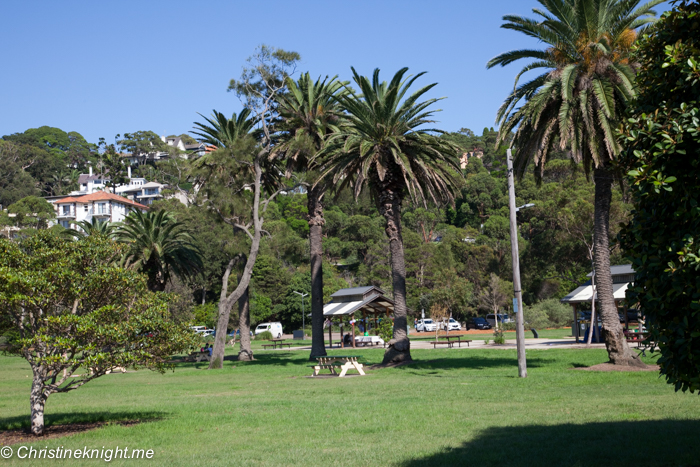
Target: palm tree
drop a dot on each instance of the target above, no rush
(385, 150)
(310, 114)
(93, 227)
(223, 132)
(159, 246)
(576, 105)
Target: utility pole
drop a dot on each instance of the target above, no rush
(518, 300)
(303, 327)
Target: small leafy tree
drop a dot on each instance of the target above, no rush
(493, 297)
(32, 211)
(663, 159)
(76, 315)
(439, 313)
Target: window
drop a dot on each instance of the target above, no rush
(102, 208)
(65, 224)
(85, 208)
(66, 210)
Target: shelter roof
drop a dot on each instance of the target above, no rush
(585, 293)
(617, 270)
(356, 291)
(373, 304)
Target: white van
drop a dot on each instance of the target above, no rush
(274, 328)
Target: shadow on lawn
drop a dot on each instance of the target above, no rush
(633, 443)
(472, 362)
(52, 419)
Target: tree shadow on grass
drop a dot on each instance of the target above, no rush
(52, 419)
(624, 443)
(472, 362)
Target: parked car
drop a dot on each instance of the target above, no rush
(451, 325)
(478, 323)
(501, 319)
(237, 333)
(426, 325)
(273, 328)
(203, 331)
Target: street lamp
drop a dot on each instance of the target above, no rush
(518, 300)
(303, 326)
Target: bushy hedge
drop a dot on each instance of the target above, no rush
(550, 313)
(663, 164)
(263, 336)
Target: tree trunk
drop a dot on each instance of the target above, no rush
(245, 353)
(37, 401)
(217, 355)
(316, 222)
(615, 342)
(399, 348)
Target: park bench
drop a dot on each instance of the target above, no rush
(458, 339)
(265, 346)
(447, 342)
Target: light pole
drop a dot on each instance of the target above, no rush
(518, 300)
(303, 327)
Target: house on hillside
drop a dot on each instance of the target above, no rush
(105, 207)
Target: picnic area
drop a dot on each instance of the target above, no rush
(441, 408)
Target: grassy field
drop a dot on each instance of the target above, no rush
(452, 407)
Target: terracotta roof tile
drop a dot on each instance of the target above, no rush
(103, 196)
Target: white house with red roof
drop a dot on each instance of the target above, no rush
(105, 207)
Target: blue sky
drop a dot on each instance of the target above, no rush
(102, 68)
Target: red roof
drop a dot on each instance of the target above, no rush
(101, 196)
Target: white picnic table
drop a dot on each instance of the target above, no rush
(344, 362)
(369, 340)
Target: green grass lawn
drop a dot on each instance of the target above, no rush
(452, 407)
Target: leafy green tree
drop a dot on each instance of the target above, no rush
(386, 149)
(159, 246)
(74, 312)
(32, 211)
(663, 159)
(143, 143)
(68, 149)
(310, 114)
(576, 104)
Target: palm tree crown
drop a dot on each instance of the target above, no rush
(159, 246)
(309, 113)
(223, 132)
(384, 138)
(578, 101)
(92, 227)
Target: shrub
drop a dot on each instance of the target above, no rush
(549, 313)
(263, 336)
(498, 337)
(385, 330)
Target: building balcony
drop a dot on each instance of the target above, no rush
(70, 214)
(101, 212)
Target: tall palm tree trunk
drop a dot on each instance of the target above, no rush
(316, 222)
(615, 342)
(399, 349)
(245, 353)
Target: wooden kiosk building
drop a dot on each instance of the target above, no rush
(368, 302)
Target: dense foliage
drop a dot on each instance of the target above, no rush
(74, 314)
(663, 159)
